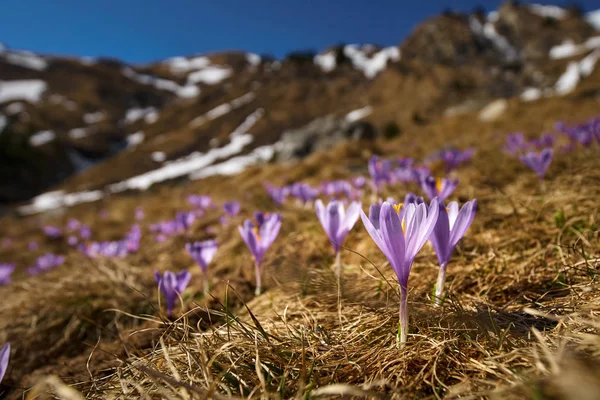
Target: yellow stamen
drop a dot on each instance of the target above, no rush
(398, 207)
(404, 226)
(438, 184)
(255, 230)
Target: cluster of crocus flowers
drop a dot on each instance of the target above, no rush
(438, 187)
(303, 192)
(181, 224)
(232, 208)
(53, 232)
(337, 223)
(517, 144)
(172, 285)
(400, 231)
(45, 263)
(538, 162)
(4, 358)
(202, 253)
(259, 236)
(116, 248)
(453, 158)
(200, 201)
(451, 226)
(278, 194)
(380, 171)
(584, 133)
(6, 271)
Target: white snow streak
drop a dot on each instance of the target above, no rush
(135, 138)
(359, 114)
(545, 11)
(41, 138)
(575, 72)
(373, 65)
(326, 61)
(210, 75)
(57, 199)
(26, 59)
(92, 118)
(222, 109)
(186, 91)
(29, 90)
(569, 49)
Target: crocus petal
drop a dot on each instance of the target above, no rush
(441, 235)
(183, 278)
(463, 221)
(373, 231)
(392, 235)
(4, 357)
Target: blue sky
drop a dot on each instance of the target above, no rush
(145, 30)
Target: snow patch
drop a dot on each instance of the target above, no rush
(493, 110)
(195, 161)
(62, 100)
(575, 72)
(95, 117)
(546, 11)
(326, 62)
(26, 59)
(57, 199)
(488, 31)
(253, 59)
(29, 90)
(78, 133)
(182, 64)
(359, 114)
(149, 114)
(135, 138)
(41, 138)
(210, 75)
(159, 156)
(14, 108)
(569, 49)
(593, 18)
(187, 91)
(371, 66)
(222, 109)
(237, 164)
(531, 94)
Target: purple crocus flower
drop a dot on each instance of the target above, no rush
(440, 187)
(203, 253)
(4, 357)
(139, 214)
(259, 238)
(337, 223)
(546, 140)
(232, 208)
(403, 174)
(52, 231)
(85, 232)
(538, 162)
(183, 221)
(455, 157)
(278, 194)
(400, 232)
(406, 162)
(73, 224)
(72, 240)
(172, 285)
(515, 143)
(304, 192)
(45, 263)
(380, 171)
(6, 271)
(33, 246)
(359, 182)
(199, 201)
(451, 226)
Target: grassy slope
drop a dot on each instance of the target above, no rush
(87, 318)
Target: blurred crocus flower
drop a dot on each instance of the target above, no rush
(45, 263)
(172, 285)
(73, 224)
(199, 201)
(420, 173)
(139, 214)
(403, 174)
(72, 240)
(380, 171)
(406, 162)
(440, 187)
(85, 232)
(335, 188)
(33, 246)
(183, 221)
(104, 214)
(359, 181)
(232, 208)
(451, 226)
(4, 358)
(203, 253)
(545, 140)
(52, 231)
(538, 162)
(515, 143)
(337, 222)
(259, 238)
(412, 198)
(400, 232)
(455, 157)
(304, 192)
(278, 194)
(6, 271)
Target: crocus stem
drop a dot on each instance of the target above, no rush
(338, 264)
(439, 286)
(206, 284)
(403, 316)
(258, 280)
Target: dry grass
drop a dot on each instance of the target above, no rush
(519, 321)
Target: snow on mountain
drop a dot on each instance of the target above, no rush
(593, 18)
(570, 49)
(30, 90)
(25, 59)
(548, 11)
(149, 114)
(326, 61)
(576, 70)
(41, 138)
(135, 138)
(223, 109)
(182, 64)
(187, 91)
(370, 65)
(94, 117)
(253, 59)
(359, 114)
(210, 75)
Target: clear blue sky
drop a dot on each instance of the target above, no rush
(146, 30)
